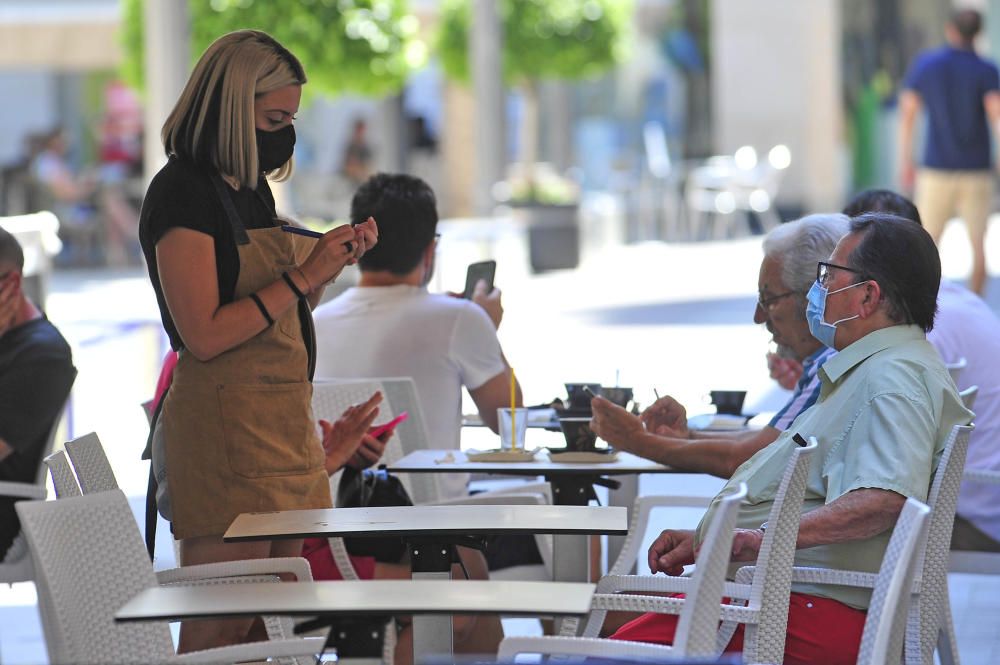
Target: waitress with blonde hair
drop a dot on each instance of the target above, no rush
(235, 294)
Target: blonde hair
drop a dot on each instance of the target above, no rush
(212, 122)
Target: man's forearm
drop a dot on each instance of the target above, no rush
(857, 515)
(717, 457)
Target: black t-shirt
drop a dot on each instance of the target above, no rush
(36, 374)
(182, 194)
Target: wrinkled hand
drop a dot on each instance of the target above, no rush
(671, 551)
(489, 301)
(666, 417)
(746, 544)
(614, 424)
(343, 438)
(786, 371)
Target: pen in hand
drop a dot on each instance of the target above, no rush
(288, 228)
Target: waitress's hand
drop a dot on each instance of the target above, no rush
(343, 438)
(365, 237)
(329, 256)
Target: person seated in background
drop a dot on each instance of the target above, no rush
(444, 343)
(965, 327)
(787, 271)
(83, 201)
(36, 375)
(886, 408)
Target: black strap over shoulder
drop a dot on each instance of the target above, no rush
(239, 231)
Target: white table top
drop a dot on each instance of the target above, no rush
(369, 597)
(454, 461)
(460, 520)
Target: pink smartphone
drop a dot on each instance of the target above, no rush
(379, 430)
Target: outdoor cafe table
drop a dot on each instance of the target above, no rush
(572, 485)
(357, 611)
(433, 531)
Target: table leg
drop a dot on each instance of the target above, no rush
(432, 634)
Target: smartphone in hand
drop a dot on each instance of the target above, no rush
(379, 430)
(485, 270)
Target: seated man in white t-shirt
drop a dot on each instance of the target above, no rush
(389, 325)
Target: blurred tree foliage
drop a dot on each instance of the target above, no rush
(542, 39)
(362, 46)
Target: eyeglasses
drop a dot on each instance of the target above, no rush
(765, 303)
(823, 271)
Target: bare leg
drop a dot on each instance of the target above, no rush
(977, 280)
(197, 635)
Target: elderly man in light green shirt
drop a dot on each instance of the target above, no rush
(886, 407)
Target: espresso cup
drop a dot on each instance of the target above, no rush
(728, 401)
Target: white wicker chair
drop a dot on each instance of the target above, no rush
(955, 368)
(90, 559)
(885, 625)
(63, 479)
(969, 396)
(93, 469)
(765, 593)
(699, 611)
(93, 474)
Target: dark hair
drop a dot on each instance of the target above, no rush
(967, 23)
(882, 200)
(902, 257)
(10, 250)
(405, 210)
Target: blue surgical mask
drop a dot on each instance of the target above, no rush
(816, 313)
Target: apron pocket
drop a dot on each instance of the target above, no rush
(268, 429)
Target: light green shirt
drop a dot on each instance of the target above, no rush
(886, 407)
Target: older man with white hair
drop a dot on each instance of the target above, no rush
(787, 271)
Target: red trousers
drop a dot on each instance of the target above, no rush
(820, 630)
(317, 552)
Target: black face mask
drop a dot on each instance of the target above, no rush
(274, 148)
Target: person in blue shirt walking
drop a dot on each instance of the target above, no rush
(960, 92)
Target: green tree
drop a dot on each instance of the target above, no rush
(542, 39)
(363, 46)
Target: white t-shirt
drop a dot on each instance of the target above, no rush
(444, 343)
(966, 327)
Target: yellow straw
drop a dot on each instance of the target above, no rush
(513, 412)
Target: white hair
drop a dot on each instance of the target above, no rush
(799, 245)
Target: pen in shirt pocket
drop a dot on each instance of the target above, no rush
(797, 438)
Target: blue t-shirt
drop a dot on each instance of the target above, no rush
(951, 83)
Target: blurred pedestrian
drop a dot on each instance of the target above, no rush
(960, 92)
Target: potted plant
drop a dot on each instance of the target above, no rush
(542, 39)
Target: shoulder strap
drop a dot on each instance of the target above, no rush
(239, 231)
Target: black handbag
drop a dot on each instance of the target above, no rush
(370, 488)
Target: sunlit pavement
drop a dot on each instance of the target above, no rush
(674, 317)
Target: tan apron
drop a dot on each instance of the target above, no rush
(239, 431)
